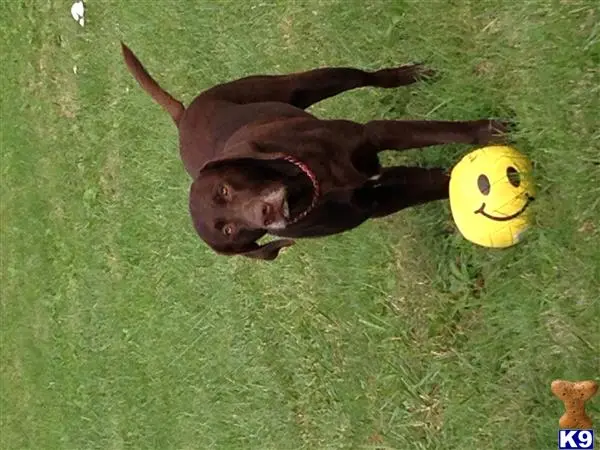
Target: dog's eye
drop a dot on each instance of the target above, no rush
(227, 230)
(224, 191)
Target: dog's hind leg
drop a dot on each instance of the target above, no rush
(304, 89)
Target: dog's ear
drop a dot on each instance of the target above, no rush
(268, 251)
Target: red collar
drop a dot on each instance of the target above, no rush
(315, 183)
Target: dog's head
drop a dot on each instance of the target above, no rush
(235, 202)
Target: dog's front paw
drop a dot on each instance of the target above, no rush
(493, 131)
(423, 72)
(403, 75)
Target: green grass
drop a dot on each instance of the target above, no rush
(120, 329)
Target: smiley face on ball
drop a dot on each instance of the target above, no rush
(490, 193)
(513, 178)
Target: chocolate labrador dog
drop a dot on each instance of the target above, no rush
(261, 164)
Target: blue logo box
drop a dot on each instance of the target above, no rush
(575, 439)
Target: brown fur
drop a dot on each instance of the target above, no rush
(255, 154)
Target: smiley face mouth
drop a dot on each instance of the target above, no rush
(481, 211)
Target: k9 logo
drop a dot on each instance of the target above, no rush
(575, 439)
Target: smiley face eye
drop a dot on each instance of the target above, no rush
(483, 183)
(513, 176)
(227, 230)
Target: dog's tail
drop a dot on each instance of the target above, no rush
(174, 107)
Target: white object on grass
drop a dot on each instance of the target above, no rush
(77, 11)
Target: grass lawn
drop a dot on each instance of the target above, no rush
(121, 330)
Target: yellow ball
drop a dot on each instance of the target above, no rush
(490, 193)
